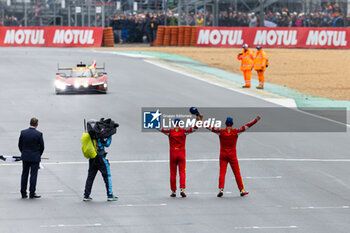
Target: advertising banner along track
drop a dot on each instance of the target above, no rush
(51, 36)
(331, 38)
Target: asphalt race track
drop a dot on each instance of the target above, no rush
(298, 182)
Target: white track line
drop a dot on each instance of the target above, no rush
(267, 227)
(124, 54)
(336, 179)
(294, 160)
(140, 205)
(41, 192)
(206, 193)
(77, 225)
(262, 177)
(319, 207)
(189, 161)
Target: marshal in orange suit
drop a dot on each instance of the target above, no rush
(247, 61)
(260, 64)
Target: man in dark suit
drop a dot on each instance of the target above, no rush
(31, 145)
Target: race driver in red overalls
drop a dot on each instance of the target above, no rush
(228, 140)
(177, 141)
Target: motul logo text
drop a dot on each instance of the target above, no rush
(73, 36)
(279, 37)
(222, 37)
(51, 36)
(276, 37)
(24, 37)
(330, 38)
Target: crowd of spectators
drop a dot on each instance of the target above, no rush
(129, 28)
(142, 27)
(330, 15)
(10, 21)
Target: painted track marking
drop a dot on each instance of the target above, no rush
(141, 205)
(267, 227)
(76, 225)
(262, 177)
(319, 207)
(189, 161)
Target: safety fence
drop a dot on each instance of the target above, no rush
(330, 38)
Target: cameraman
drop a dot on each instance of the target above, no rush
(100, 163)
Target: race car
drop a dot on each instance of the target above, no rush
(81, 79)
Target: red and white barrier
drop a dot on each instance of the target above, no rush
(332, 38)
(51, 36)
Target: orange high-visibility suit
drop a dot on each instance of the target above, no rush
(260, 64)
(247, 62)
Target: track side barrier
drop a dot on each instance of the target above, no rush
(230, 37)
(284, 37)
(50, 36)
(176, 36)
(108, 37)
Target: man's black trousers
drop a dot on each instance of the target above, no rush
(33, 168)
(98, 164)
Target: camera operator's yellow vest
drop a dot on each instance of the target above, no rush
(87, 146)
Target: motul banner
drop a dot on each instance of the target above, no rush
(51, 36)
(332, 38)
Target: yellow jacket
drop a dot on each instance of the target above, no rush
(200, 22)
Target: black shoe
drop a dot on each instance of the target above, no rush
(182, 193)
(245, 86)
(112, 198)
(173, 194)
(24, 196)
(87, 198)
(243, 192)
(220, 193)
(35, 196)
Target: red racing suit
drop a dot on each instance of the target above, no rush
(177, 141)
(228, 140)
